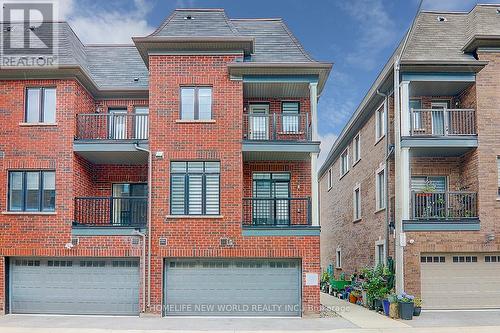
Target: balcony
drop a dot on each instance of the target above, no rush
(443, 211)
(111, 138)
(277, 136)
(275, 215)
(110, 212)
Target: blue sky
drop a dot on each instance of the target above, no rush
(358, 36)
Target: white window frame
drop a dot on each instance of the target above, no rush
(338, 257)
(330, 180)
(356, 149)
(378, 260)
(380, 134)
(377, 188)
(356, 203)
(346, 153)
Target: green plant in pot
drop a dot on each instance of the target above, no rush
(393, 305)
(417, 309)
(325, 278)
(376, 286)
(406, 306)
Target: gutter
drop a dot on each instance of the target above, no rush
(150, 187)
(143, 236)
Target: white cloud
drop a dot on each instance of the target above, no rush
(94, 24)
(327, 141)
(377, 31)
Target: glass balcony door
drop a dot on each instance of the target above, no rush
(259, 121)
(117, 124)
(128, 203)
(271, 204)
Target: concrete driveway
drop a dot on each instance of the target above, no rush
(95, 324)
(457, 318)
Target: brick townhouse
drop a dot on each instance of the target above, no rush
(173, 176)
(414, 175)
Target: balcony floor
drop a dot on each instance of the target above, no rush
(111, 152)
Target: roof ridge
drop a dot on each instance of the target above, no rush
(257, 19)
(200, 9)
(295, 41)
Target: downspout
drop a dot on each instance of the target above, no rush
(143, 236)
(398, 223)
(150, 187)
(387, 172)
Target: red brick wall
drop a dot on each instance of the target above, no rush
(218, 140)
(51, 147)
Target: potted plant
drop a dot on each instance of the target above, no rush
(417, 309)
(405, 302)
(427, 190)
(325, 278)
(353, 296)
(386, 304)
(393, 306)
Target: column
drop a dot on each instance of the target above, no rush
(313, 93)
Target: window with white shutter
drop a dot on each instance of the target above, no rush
(195, 188)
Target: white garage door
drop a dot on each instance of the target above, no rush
(74, 286)
(460, 281)
(233, 287)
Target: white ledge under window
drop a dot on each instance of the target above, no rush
(195, 121)
(37, 124)
(378, 210)
(378, 140)
(28, 213)
(194, 216)
(356, 162)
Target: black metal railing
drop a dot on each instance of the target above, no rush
(112, 126)
(442, 122)
(444, 205)
(277, 127)
(111, 211)
(276, 212)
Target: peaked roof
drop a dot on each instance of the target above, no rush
(272, 40)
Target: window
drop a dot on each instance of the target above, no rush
(429, 259)
(338, 258)
(329, 178)
(380, 122)
(291, 116)
(356, 203)
(194, 188)
(356, 149)
(380, 189)
(344, 162)
(40, 105)
(196, 103)
(32, 191)
(380, 252)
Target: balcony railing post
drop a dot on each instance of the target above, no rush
(446, 121)
(307, 127)
(412, 121)
(274, 127)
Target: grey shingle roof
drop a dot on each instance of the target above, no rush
(202, 23)
(273, 41)
(116, 66)
(433, 40)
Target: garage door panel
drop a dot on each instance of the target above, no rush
(233, 282)
(81, 286)
(454, 284)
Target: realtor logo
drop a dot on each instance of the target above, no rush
(28, 33)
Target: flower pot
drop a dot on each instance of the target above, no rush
(394, 310)
(386, 304)
(417, 310)
(353, 299)
(406, 310)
